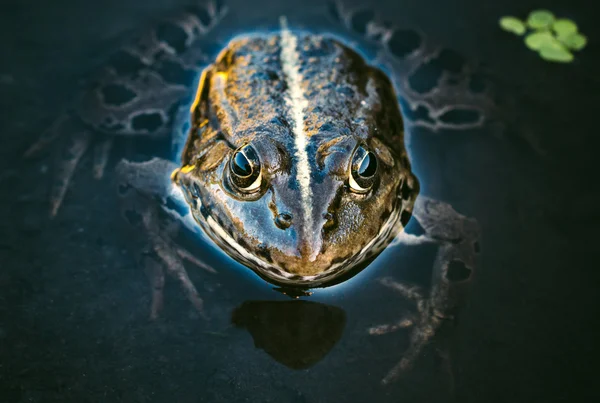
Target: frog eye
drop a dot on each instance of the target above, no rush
(363, 170)
(244, 168)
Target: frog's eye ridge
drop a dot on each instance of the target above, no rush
(363, 170)
(245, 170)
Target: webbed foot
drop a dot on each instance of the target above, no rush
(78, 140)
(163, 255)
(458, 240)
(142, 91)
(439, 89)
(147, 196)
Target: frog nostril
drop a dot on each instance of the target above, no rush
(283, 220)
(330, 221)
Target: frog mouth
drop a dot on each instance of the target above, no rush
(276, 275)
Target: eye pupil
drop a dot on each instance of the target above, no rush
(363, 170)
(241, 165)
(368, 166)
(245, 170)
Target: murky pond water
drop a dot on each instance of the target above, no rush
(74, 305)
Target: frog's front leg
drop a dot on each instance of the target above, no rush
(148, 200)
(458, 240)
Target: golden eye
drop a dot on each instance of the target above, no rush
(244, 167)
(363, 170)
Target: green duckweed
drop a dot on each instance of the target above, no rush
(537, 40)
(554, 39)
(574, 41)
(564, 27)
(540, 19)
(513, 24)
(561, 55)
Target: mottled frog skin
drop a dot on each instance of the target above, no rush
(310, 111)
(293, 157)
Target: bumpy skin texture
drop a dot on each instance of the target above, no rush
(142, 92)
(241, 101)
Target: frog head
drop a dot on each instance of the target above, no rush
(299, 179)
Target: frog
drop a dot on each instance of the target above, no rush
(293, 156)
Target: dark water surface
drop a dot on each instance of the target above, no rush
(74, 306)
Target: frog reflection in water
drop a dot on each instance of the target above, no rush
(294, 164)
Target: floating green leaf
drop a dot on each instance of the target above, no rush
(564, 27)
(554, 39)
(574, 41)
(553, 54)
(537, 40)
(512, 24)
(539, 19)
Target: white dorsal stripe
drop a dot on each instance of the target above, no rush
(296, 102)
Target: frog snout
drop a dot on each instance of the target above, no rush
(310, 241)
(298, 246)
